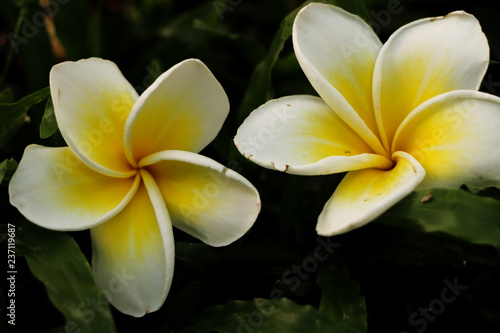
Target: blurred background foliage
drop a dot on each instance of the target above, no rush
(377, 277)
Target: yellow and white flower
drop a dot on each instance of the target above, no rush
(401, 116)
(132, 170)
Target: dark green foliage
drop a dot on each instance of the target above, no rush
(280, 277)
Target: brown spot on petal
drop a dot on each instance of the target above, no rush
(276, 168)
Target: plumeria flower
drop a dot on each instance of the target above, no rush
(132, 170)
(401, 116)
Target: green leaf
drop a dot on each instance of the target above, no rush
(13, 115)
(455, 212)
(48, 125)
(341, 299)
(56, 260)
(7, 169)
(265, 316)
(15, 110)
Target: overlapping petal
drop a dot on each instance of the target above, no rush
(204, 198)
(133, 253)
(424, 59)
(364, 195)
(337, 52)
(183, 109)
(303, 135)
(455, 137)
(55, 190)
(92, 101)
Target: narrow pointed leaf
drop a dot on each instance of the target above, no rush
(49, 123)
(7, 168)
(14, 110)
(13, 115)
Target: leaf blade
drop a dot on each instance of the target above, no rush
(56, 260)
(455, 212)
(13, 115)
(48, 126)
(7, 169)
(17, 109)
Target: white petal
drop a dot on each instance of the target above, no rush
(337, 52)
(91, 101)
(183, 109)
(364, 195)
(303, 135)
(133, 253)
(424, 59)
(54, 189)
(204, 198)
(456, 138)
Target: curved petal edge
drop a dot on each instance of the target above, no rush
(55, 190)
(364, 195)
(206, 199)
(133, 253)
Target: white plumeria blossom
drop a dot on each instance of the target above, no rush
(132, 170)
(398, 117)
